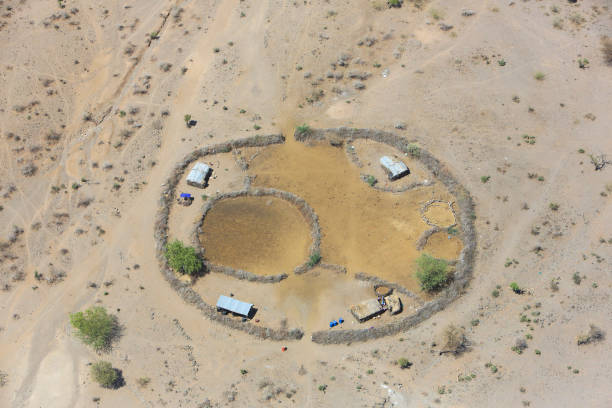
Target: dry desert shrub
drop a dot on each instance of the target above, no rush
(576, 18)
(143, 381)
(519, 346)
(455, 340)
(606, 49)
(53, 136)
(29, 170)
(595, 334)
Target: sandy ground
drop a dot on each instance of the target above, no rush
(263, 235)
(362, 228)
(92, 105)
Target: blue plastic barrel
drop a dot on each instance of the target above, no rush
(331, 324)
(340, 320)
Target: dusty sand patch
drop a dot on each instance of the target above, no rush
(263, 235)
(443, 245)
(440, 214)
(310, 300)
(56, 381)
(362, 228)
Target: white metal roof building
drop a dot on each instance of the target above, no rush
(234, 305)
(198, 176)
(395, 169)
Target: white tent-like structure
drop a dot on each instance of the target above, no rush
(198, 176)
(394, 169)
(234, 305)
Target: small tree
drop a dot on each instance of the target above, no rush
(431, 272)
(95, 327)
(183, 259)
(105, 375)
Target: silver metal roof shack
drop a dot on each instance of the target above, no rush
(234, 305)
(198, 176)
(394, 169)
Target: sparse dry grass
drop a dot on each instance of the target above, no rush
(436, 14)
(576, 18)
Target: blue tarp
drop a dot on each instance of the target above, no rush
(185, 195)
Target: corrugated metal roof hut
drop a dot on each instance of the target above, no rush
(394, 169)
(366, 310)
(234, 305)
(198, 176)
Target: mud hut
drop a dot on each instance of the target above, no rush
(394, 304)
(366, 310)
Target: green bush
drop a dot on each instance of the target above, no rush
(183, 259)
(431, 272)
(370, 179)
(413, 150)
(516, 288)
(303, 129)
(95, 327)
(314, 259)
(104, 374)
(404, 363)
